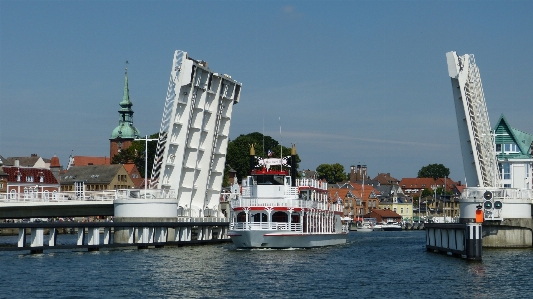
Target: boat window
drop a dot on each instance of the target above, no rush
(288, 180)
(241, 217)
(259, 217)
(280, 217)
(295, 218)
(269, 179)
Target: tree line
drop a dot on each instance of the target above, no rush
(238, 159)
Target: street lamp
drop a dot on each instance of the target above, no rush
(419, 198)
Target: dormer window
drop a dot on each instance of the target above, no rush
(29, 178)
(511, 148)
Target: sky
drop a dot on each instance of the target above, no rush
(349, 82)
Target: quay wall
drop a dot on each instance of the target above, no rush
(508, 233)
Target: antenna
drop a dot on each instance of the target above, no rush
(281, 142)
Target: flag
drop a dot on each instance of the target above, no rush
(270, 153)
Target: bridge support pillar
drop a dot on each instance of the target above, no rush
(81, 236)
(107, 235)
(36, 239)
(161, 235)
(52, 237)
(93, 237)
(22, 237)
(200, 233)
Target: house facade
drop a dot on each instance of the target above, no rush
(514, 154)
(357, 199)
(3, 177)
(29, 181)
(96, 178)
(392, 198)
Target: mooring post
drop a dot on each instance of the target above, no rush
(474, 239)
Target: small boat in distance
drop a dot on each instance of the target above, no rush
(367, 225)
(391, 226)
(276, 210)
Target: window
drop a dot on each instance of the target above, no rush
(498, 148)
(29, 178)
(510, 148)
(505, 171)
(506, 185)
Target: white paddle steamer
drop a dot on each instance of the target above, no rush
(275, 210)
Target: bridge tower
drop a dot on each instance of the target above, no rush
(506, 212)
(476, 138)
(193, 137)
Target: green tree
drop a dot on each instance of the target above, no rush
(238, 152)
(434, 171)
(135, 154)
(332, 173)
(427, 192)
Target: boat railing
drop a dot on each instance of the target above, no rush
(283, 202)
(312, 183)
(294, 227)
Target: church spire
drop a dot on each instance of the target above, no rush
(126, 96)
(125, 128)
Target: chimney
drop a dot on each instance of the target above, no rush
(353, 176)
(17, 163)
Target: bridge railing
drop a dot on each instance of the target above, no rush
(145, 193)
(65, 196)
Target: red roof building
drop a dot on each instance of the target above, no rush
(415, 186)
(356, 198)
(28, 179)
(384, 216)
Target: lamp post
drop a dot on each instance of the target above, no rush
(146, 162)
(419, 198)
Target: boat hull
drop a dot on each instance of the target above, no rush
(279, 240)
(391, 228)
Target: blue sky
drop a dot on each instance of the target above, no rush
(350, 82)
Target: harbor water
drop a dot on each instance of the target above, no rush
(370, 265)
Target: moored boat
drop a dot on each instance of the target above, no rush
(391, 226)
(276, 210)
(367, 225)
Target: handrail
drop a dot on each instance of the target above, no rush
(64, 196)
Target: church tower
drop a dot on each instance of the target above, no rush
(125, 132)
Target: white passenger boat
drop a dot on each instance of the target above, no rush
(391, 226)
(276, 210)
(367, 225)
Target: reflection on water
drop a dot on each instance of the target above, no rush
(374, 265)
